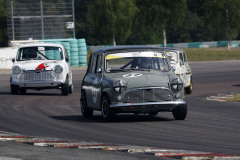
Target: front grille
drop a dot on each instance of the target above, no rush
(148, 95)
(33, 76)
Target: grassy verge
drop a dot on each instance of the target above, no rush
(212, 54)
(208, 54)
(236, 98)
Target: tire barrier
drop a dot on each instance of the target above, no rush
(235, 45)
(194, 45)
(82, 52)
(82, 60)
(76, 48)
(222, 43)
(74, 53)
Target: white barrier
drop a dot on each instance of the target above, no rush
(6, 56)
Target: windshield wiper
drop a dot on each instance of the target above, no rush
(115, 70)
(140, 69)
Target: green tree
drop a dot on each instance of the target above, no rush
(112, 19)
(161, 14)
(223, 16)
(3, 40)
(84, 28)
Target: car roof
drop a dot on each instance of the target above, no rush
(41, 45)
(127, 48)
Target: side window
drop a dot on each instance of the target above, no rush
(93, 64)
(181, 57)
(89, 65)
(99, 62)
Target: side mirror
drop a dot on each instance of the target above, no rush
(13, 60)
(66, 59)
(99, 70)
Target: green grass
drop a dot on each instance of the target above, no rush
(236, 98)
(212, 54)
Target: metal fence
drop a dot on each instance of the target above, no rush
(40, 19)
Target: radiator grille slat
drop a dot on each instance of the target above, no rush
(148, 95)
(33, 76)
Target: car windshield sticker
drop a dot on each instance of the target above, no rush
(132, 75)
(42, 66)
(135, 54)
(41, 48)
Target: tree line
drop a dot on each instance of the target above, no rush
(140, 22)
(129, 22)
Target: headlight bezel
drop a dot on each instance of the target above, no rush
(176, 84)
(120, 86)
(16, 69)
(58, 69)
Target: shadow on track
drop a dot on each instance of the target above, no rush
(5, 93)
(236, 85)
(121, 118)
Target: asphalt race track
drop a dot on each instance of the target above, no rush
(210, 126)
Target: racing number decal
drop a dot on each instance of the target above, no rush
(95, 91)
(132, 75)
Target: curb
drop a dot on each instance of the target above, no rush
(157, 152)
(220, 98)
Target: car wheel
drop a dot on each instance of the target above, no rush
(65, 88)
(14, 89)
(23, 90)
(153, 113)
(71, 89)
(86, 111)
(107, 112)
(180, 112)
(188, 90)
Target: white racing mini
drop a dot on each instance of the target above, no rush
(41, 66)
(180, 64)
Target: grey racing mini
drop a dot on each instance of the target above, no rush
(131, 80)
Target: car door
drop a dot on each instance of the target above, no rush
(88, 80)
(182, 66)
(96, 80)
(188, 71)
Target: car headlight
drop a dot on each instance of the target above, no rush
(16, 70)
(58, 69)
(119, 85)
(176, 84)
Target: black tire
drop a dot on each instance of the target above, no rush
(14, 89)
(180, 112)
(188, 90)
(107, 113)
(71, 89)
(153, 113)
(23, 90)
(65, 88)
(86, 111)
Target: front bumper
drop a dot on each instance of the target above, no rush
(39, 84)
(147, 106)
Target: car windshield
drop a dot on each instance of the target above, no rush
(173, 57)
(120, 62)
(39, 53)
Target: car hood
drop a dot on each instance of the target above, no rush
(143, 79)
(38, 64)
